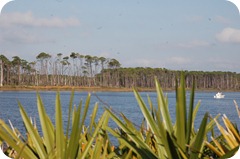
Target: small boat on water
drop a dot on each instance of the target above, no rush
(219, 95)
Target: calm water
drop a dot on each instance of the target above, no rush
(124, 102)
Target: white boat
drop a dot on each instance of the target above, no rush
(219, 95)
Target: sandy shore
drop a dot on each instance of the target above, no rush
(90, 89)
(68, 88)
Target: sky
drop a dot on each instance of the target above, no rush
(192, 35)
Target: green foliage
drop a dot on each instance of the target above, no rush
(227, 144)
(157, 137)
(54, 143)
(163, 139)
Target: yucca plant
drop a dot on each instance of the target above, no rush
(157, 137)
(227, 143)
(162, 138)
(80, 142)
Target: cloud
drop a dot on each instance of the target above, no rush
(28, 19)
(195, 18)
(23, 37)
(193, 44)
(161, 62)
(179, 60)
(223, 64)
(25, 28)
(141, 62)
(221, 19)
(146, 62)
(229, 35)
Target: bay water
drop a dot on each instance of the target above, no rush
(120, 102)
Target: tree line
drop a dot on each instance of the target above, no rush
(144, 78)
(86, 70)
(48, 70)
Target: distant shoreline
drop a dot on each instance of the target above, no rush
(92, 89)
(68, 88)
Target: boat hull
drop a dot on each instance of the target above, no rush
(219, 95)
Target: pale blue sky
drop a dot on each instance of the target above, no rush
(180, 35)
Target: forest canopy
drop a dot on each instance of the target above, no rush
(86, 70)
